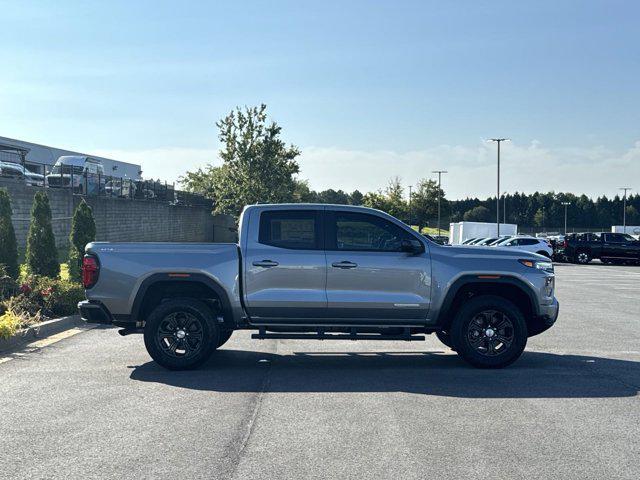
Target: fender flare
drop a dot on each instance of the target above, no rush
(469, 279)
(188, 277)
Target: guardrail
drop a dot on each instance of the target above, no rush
(82, 182)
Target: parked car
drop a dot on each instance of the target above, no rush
(500, 239)
(609, 247)
(315, 271)
(120, 187)
(469, 240)
(83, 174)
(477, 241)
(528, 244)
(486, 242)
(18, 171)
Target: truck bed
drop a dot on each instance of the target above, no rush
(125, 266)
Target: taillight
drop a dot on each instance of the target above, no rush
(565, 243)
(90, 271)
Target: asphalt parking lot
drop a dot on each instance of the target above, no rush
(95, 406)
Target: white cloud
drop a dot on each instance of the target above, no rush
(472, 169)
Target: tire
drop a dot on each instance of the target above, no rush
(445, 338)
(544, 254)
(476, 318)
(181, 334)
(225, 335)
(582, 257)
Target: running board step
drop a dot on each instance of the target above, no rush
(321, 335)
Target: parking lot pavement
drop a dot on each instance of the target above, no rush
(95, 406)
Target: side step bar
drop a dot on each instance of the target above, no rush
(322, 335)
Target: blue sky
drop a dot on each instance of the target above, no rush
(367, 90)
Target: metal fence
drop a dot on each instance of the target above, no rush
(81, 181)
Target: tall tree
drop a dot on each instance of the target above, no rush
(477, 214)
(8, 244)
(257, 166)
(424, 202)
(83, 231)
(42, 256)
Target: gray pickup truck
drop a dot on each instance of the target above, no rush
(306, 271)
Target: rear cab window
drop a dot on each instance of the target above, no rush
(292, 229)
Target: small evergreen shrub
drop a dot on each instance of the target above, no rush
(8, 244)
(42, 256)
(83, 231)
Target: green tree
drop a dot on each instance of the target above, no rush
(42, 256)
(477, 214)
(356, 198)
(424, 202)
(83, 231)
(8, 244)
(257, 166)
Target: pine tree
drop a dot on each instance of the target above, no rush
(42, 256)
(8, 244)
(83, 231)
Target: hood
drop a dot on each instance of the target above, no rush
(488, 252)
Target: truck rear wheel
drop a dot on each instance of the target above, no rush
(181, 334)
(489, 332)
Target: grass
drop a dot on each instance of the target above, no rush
(431, 230)
(64, 271)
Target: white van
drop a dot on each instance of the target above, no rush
(85, 173)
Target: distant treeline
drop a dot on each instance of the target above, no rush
(526, 210)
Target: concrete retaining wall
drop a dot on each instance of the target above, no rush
(117, 219)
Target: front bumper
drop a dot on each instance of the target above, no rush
(545, 319)
(94, 312)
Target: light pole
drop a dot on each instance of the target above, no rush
(624, 209)
(566, 204)
(504, 208)
(410, 205)
(498, 141)
(439, 172)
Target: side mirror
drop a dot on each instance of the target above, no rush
(414, 247)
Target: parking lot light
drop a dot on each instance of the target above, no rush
(566, 204)
(498, 141)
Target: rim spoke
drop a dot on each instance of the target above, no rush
(482, 340)
(169, 329)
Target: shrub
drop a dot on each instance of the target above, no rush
(8, 244)
(42, 256)
(8, 286)
(9, 324)
(47, 296)
(83, 231)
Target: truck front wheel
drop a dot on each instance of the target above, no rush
(489, 332)
(582, 257)
(181, 334)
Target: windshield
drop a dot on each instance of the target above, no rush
(66, 169)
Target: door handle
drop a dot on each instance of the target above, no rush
(265, 263)
(344, 264)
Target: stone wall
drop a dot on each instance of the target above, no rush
(117, 219)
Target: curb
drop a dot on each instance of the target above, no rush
(40, 330)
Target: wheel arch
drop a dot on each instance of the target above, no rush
(159, 286)
(510, 288)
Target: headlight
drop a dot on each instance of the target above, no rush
(540, 265)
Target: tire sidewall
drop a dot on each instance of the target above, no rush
(464, 316)
(210, 335)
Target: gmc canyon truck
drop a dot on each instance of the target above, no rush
(325, 272)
